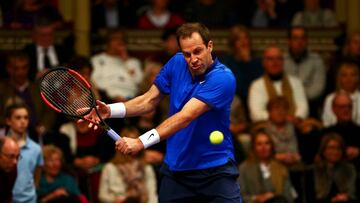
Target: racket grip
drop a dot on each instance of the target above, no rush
(113, 134)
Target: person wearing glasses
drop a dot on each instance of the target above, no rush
(9, 156)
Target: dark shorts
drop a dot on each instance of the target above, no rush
(215, 185)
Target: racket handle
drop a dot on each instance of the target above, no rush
(113, 134)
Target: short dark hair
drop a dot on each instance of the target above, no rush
(9, 110)
(2, 142)
(79, 62)
(117, 33)
(17, 55)
(187, 29)
(277, 101)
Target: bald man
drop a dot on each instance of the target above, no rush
(9, 155)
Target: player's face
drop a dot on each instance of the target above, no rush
(9, 156)
(263, 147)
(53, 164)
(18, 121)
(196, 53)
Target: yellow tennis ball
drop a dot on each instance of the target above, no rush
(216, 137)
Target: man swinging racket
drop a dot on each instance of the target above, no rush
(201, 90)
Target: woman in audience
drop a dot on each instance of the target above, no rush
(55, 185)
(348, 81)
(282, 132)
(263, 178)
(241, 60)
(126, 177)
(334, 176)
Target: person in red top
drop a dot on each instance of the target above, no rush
(158, 16)
(9, 155)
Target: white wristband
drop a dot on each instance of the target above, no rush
(117, 110)
(150, 138)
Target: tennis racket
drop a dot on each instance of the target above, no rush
(67, 92)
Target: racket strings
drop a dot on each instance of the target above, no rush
(67, 93)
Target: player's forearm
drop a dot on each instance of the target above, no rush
(173, 124)
(139, 106)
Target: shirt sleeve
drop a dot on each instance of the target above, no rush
(218, 89)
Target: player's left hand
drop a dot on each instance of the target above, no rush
(130, 146)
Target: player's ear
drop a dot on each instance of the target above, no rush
(210, 46)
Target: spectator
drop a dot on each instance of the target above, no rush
(169, 47)
(158, 16)
(55, 185)
(342, 107)
(241, 60)
(263, 179)
(115, 71)
(276, 83)
(274, 13)
(110, 14)
(351, 50)
(127, 177)
(282, 132)
(348, 81)
(19, 88)
(9, 156)
(307, 66)
(314, 16)
(212, 13)
(43, 52)
(26, 12)
(334, 176)
(350, 53)
(17, 120)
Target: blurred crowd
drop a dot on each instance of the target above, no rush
(295, 118)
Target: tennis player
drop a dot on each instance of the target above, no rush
(201, 90)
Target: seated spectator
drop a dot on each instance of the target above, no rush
(263, 179)
(352, 48)
(9, 156)
(43, 52)
(307, 66)
(127, 177)
(115, 71)
(17, 121)
(350, 52)
(274, 13)
(55, 185)
(334, 176)
(26, 12)
(212, 13)
(282, 132)
(241, 60)
(19, 88)
(169, 47)
(348, 81)
(158, 16)
(314, 16)
(276, 83)
(342, 106)
(109, 14)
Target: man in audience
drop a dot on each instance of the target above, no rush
(17, 120)
(275, 82)
(43, 53)
(19, 88)
(115, 71)
(342, 107)
(306, 65)
(9, 155)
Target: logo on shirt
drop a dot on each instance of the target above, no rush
(201, 82)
